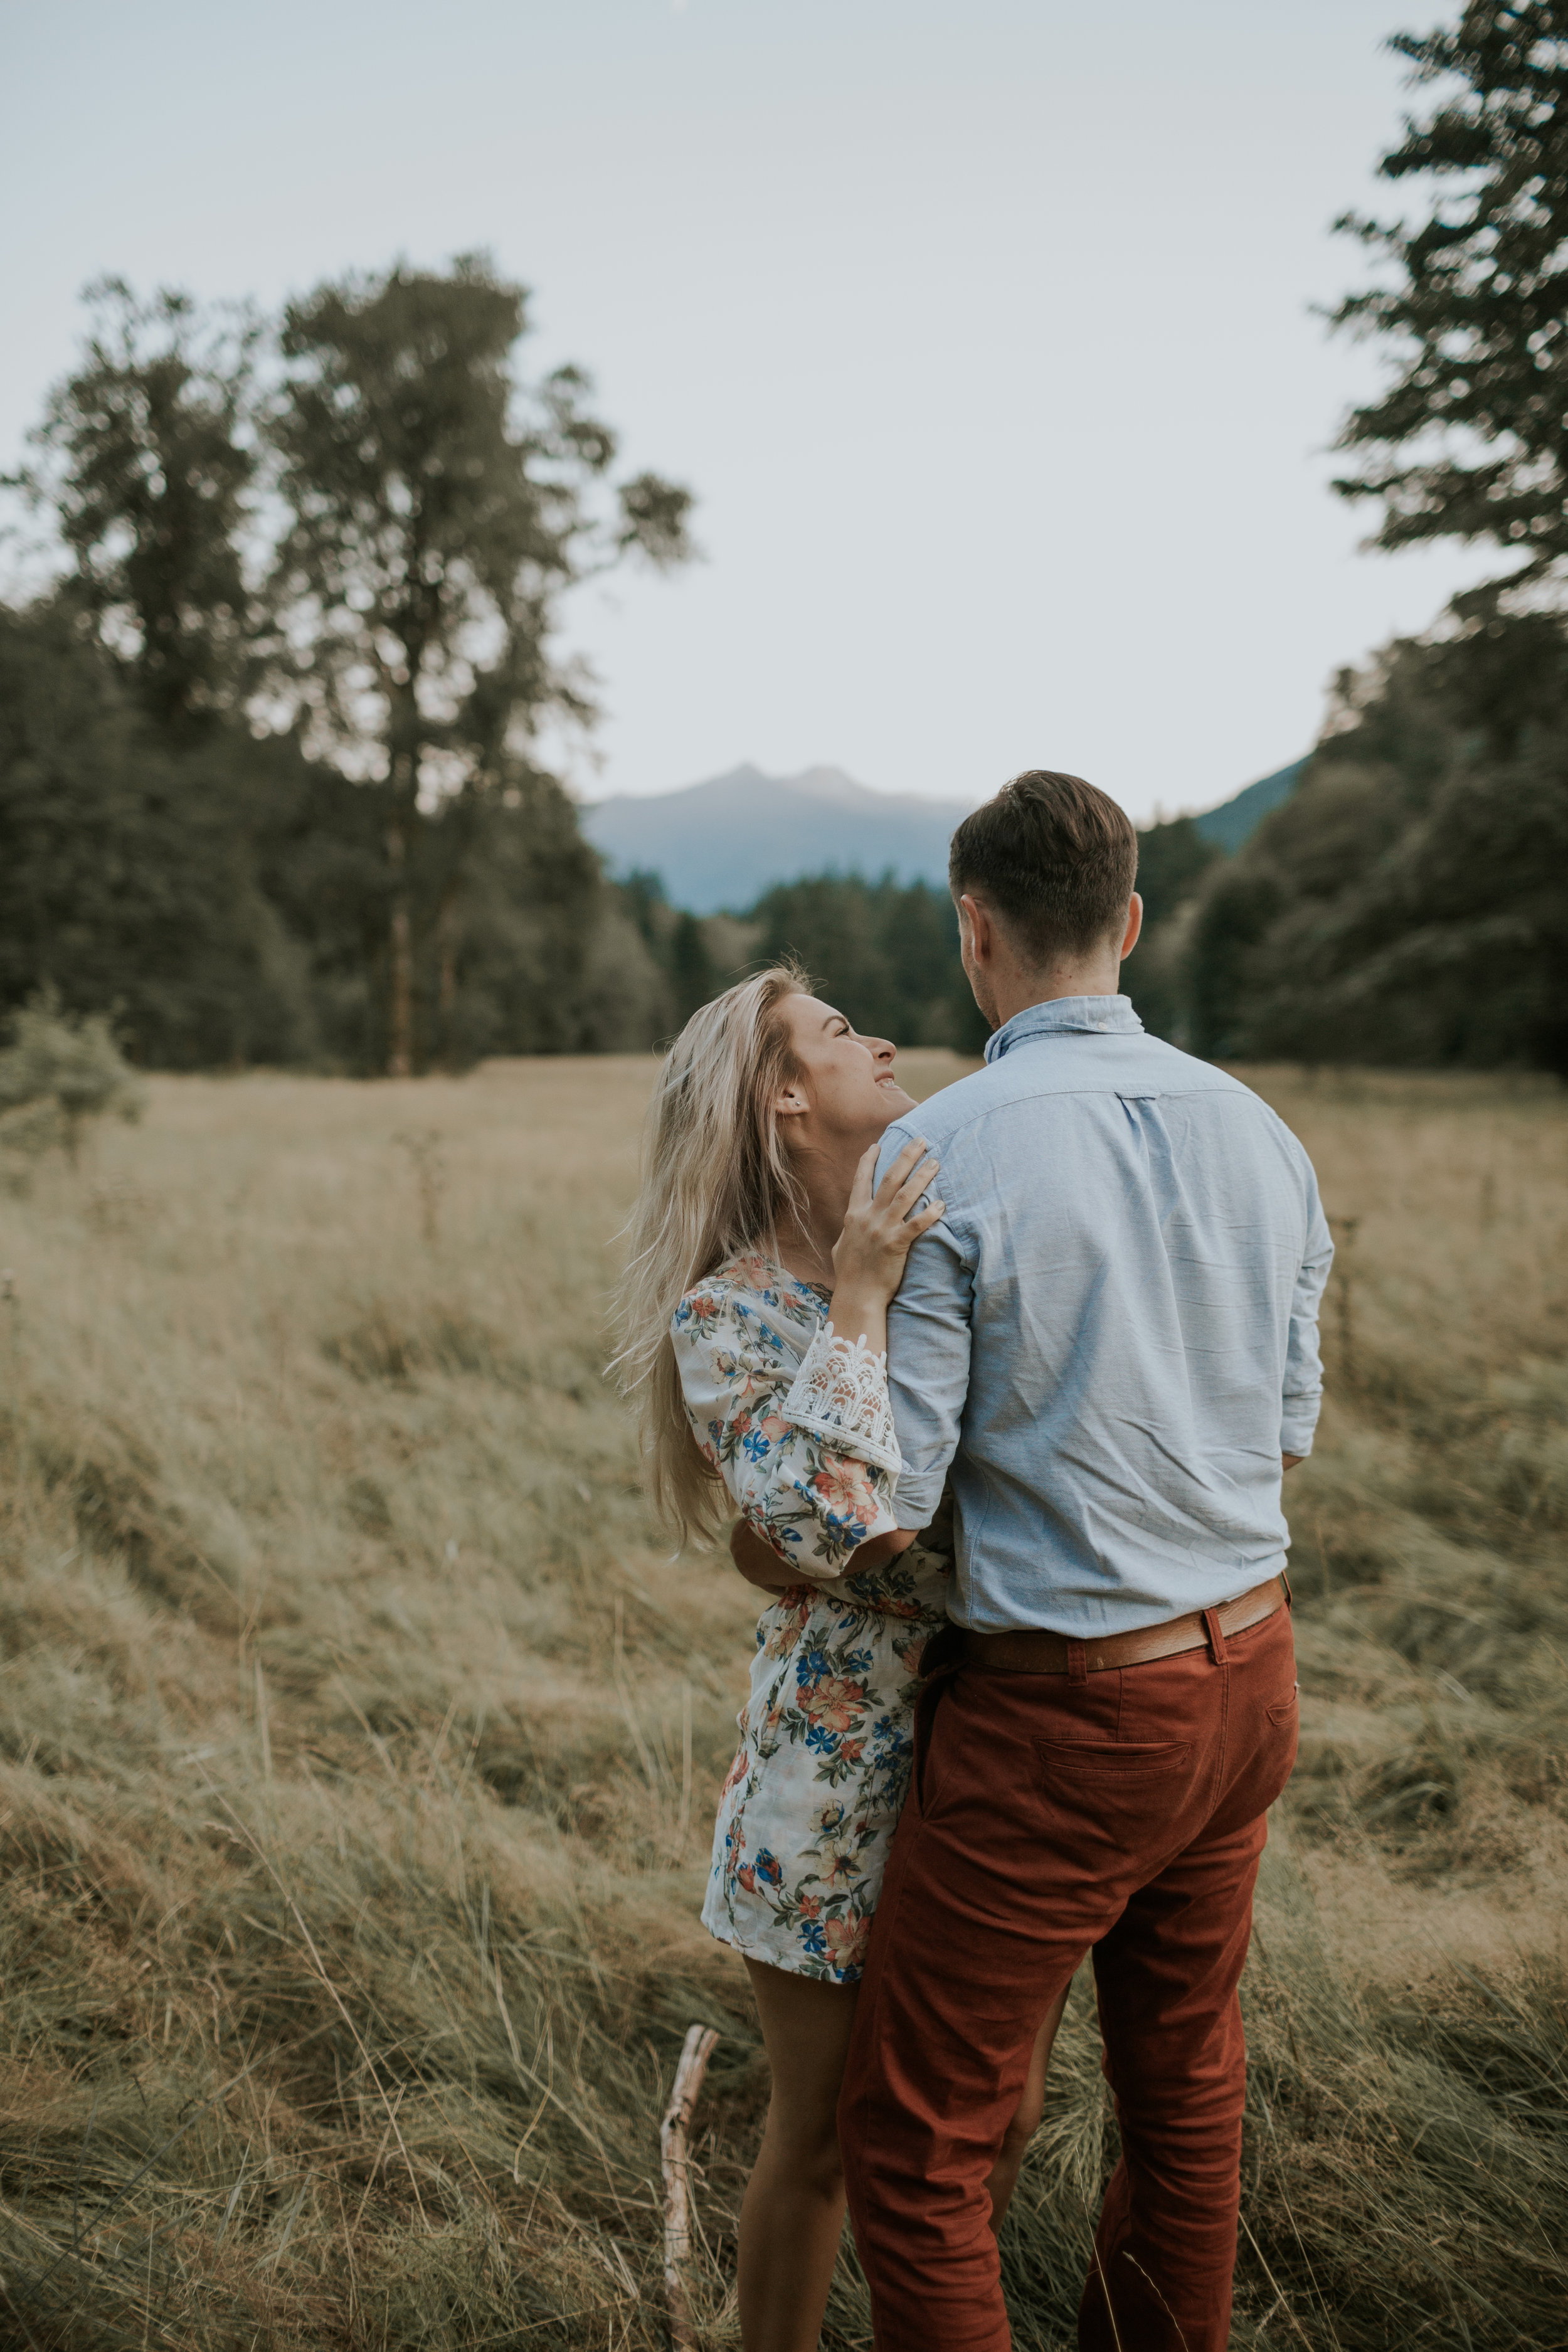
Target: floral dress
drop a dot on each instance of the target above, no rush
(797, 1421)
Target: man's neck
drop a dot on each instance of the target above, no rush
(1016, 991)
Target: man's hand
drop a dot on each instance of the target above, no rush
(758, 1562)
(879, 1550)
(1290, 1460)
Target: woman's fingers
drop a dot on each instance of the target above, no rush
(916, 1182)
(860, 1191)
(892, 1183)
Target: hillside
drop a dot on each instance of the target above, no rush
(1235, 821)
(720, 845)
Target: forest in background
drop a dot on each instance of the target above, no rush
(270, 789)
(270, 780)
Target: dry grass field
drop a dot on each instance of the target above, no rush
(359, 1739)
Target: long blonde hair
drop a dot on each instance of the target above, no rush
(715, 1177)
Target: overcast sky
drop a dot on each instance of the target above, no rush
(981, 328)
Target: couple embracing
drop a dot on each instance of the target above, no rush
(1003, 1391)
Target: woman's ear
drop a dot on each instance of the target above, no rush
(790, 1101)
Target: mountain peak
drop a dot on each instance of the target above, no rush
(723, 842)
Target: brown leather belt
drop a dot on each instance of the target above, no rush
(1035, 1652)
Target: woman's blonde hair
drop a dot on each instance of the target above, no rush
(715, 1176)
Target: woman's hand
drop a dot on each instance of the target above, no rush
(880, 1229)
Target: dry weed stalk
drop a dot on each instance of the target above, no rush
(675, 2162)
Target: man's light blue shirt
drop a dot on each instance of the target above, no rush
(1111, 1335)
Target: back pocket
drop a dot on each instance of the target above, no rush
(1106, 1759)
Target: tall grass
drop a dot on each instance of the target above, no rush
(358, 1740)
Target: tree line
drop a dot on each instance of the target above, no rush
(269, 787)
(1409, 903)
(270, 784)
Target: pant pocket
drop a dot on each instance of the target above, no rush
(1112, 1760)
(1277, 1749)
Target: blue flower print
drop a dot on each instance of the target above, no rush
(806, 1817)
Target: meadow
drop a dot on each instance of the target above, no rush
(359, 1739)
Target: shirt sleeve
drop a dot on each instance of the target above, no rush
(928, 1326)
(1303, 1388)
(808, 1494)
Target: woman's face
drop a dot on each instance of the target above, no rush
(847, 1093)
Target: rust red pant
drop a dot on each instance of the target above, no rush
(1122, 1812)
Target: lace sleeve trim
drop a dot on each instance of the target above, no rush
(840, 1393)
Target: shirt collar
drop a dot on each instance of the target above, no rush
(1060, 1014)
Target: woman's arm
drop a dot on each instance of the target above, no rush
(809, 1455)
(808, 1492)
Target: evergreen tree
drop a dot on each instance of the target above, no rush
(1409, 903)
(886, 954)
(694, 980)
(1468, 440)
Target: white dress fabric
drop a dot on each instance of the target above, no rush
(795, 1418)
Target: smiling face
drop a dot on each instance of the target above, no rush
(847, 1093)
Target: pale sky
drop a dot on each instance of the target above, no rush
(980, 328)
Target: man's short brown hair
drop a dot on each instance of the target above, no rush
(1054, 859)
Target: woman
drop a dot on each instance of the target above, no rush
(755, 1337)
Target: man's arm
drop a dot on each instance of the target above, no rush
(1303, 1383)
(928, 1359)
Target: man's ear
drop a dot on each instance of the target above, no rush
(1134, 930)
(981, 930)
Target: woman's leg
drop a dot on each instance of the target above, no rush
(793, 2211)
(1025, 2121)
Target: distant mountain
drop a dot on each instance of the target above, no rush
(723, 843)
(1235, 820)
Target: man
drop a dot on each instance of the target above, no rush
(1111, 1341)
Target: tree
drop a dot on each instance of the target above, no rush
(57, 1074)
(693, 978)
(1470, 440)
(1408, 904)
(127, 879)
(437, 514)
(150, 463)
(1173, 857)
(886, 954)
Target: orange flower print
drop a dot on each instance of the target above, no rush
(846, 1940)
(834, 1702)
(845, 1485)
